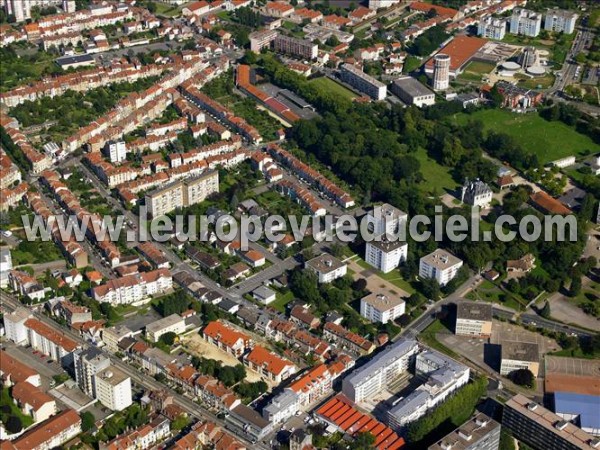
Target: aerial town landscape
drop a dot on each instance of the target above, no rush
(296, 118)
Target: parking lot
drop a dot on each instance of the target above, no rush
(137, 322)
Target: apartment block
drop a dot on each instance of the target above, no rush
(88, 363)
(479, 433)
(525, 22)
(382, 370)
(116, 151)
(50, 342)
(170, 324)
(301, 48)
(491, 28)
(261, 39)
(540, 428)
(439, 265)
(363, 82)
(385, 219)
(227, 338)
(181, 194)
(51, 433)
(381, 308)
(14, 326)
(473, 319)
(560, 21)
(327, 268)
(13, 371)
(269, 364)
(384, 254)
(113, 389)
(134, 288)
(519, 355)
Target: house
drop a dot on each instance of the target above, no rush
(254, 258)
(195, 9)
(13, 372)
(227, 338)
(264, 295)
(236, 271)
(269, 364)
(327, 268)
(476, 193)
(33, 401)
(51, 433)
(302, 316)
(524, 264)
(278, 9)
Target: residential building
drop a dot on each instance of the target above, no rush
(479, 433)
(13, 371)
(476, 193)
(146, 437)
(33, 401)
(525, 22)
(412, 92)
(386, 219)
(473, 319)
(264, 295)
(517, 97)
(269, 364)
(301, 316)
(116, 151)
(88, 363)
(381, 371)
(560, 21)
(347, 339)
(227, 338)
(113, 335)
(384, 254)
(182, 193)
(441, 72)
(301, 48)
(443, 376)
(282, 407)
(50, 342)
(580, 409)
(538, 427)
(519, 355)
(170, 324)
(51, 433)
(261, 39)
(490, 27)
(113, 389)
(278, 9)
(525, 264)
(247, 419)
(327, 268)
(564, 162)
(381, 308)
(300, 440)
(14, 326)
(439, 265)
(363, 82)
(135, 288)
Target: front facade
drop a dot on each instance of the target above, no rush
(474, 319)
(491, 28)
(301, 48)
(540, 428)
(519, 355)
(171, 324)
(525, 22)
(51, 433)
(87, 364)
(269, 364)
(412, 92)
(476, 193)
(441, 72)
(440, 265)
(327, 268)
(134, 288)
(560, 21)
(381, 308)
(385, 255)
(113, 389)
(363, 82)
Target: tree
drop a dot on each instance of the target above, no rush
(523, 377)
(414, 299)
(180, 422)
(168, 338)
(507, 442)
(87, 421)
(403, 320)
(363, 441)
(545, 313)
(431, 13)
(575, 288)
(359, 285)
(332, 41)
(13, 424)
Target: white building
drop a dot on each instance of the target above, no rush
(412, 92)
(113, 389)
(491, 28)
(363, 82)
(525, 22)
(327, 268)
(384, 254)
(519, 355)
(170, 324)
(441, 72)
(564, 162)
(439, 265)
(87, 364)
(381, 308)
(264, 295)
(5, 266)
(560, 20)
(474, 319)
(14, 325)
(134, 288)
(476, 193)
(116, 151)
(386, 219)
(375, 376)
(282, 407)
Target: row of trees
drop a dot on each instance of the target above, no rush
(228, 375)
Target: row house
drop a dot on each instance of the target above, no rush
(134, 288)
(269, 364)
(207, 434)
(303, 170)
(183, 376)
(154, 255)
(50, 342)
(227, 338)
(162, 129)
(214, 394)
(51, 433)
(12, 197)
(9, 172)
(300, 195)
(205, 152)
(38, 161)
(13, 371)
(153, 142)
(33, 402)
(347, 339)
(25, 285)
(146, 437)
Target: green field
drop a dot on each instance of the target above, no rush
(544, 82)
(330, 85)
(437, 178)
(478, 67)
(549, 140)
(167, 10)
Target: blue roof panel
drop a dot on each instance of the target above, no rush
(587, 406)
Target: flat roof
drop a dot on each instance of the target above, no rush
(382, 302)
(474, 311)
(66, 60)
(467, 434)
(386, 245)
(413, 87)
(163, 323)
(587, 407)
(441, 259)
(112, 375)
(520, 351)
(325, 263)
(460, 49)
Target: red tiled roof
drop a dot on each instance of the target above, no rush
(53, 336)
(260, 356)
(45, 431)
(17, 371)
(460, 50)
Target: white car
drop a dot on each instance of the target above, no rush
(6, 233)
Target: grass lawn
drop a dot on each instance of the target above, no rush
(167, 10)
(479, 67)
(546, 139)
(437, 178)
(330, 85)
(282, 300)
(411, 63)
(545, 82)
(428, 336)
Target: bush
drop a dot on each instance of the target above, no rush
(523, 377)
(13, 424)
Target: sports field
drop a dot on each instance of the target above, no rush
(330, 85)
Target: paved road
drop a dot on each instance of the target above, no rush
(9, 303)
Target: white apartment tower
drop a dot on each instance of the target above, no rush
(88, 363)
(439, 265)
(113, 389)
(14, 324)
(525, 22)
(441, 72)
(384, 254)
(116, 151)
(559, 20)
(491, 28)
(386, 219)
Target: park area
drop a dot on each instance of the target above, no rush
(545, 139)
(438, 180)
(328, 84)
(475, 70)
